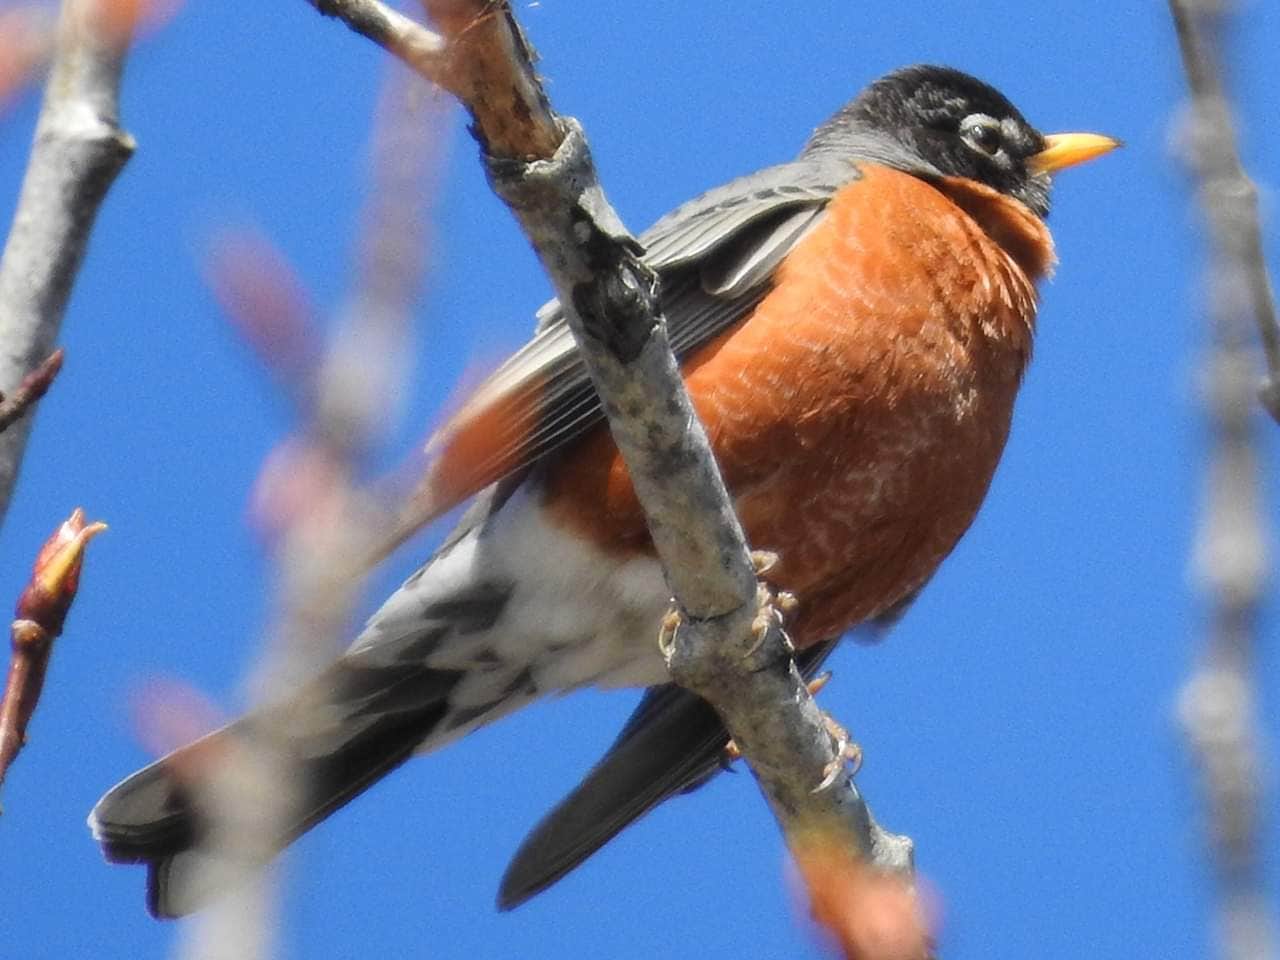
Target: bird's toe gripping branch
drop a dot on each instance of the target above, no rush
(847, 750)
(771, 608)
(771, 605)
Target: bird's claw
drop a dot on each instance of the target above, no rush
(671, 621)
(762, 561)
(771, 605)
(847, 751)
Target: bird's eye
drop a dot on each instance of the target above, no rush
(983, 133)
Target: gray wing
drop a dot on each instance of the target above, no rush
(715, 255)
(695, 229)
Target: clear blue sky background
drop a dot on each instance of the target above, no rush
(1018, 724)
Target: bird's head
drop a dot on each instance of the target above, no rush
(935, 121)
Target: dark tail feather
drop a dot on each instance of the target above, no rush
(672, 743)
(347, 729)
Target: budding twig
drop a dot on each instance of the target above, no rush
(40, 613)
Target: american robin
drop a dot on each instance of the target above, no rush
(853, 327)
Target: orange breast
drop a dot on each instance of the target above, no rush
(858, 414)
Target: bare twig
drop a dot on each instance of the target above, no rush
(414, 44)
(33, 386)
(79, 148)
(729, 647)
(41, 612)
(482, 59)
(1217, 704)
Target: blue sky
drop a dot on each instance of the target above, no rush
(1018, 724)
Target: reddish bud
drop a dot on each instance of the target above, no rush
(56, 574)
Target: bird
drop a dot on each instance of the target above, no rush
(853, 327)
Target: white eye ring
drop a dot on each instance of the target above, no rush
(983, 133)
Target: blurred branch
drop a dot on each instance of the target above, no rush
(726, 643)
(1227, 194)
(1217, 704)
(869, 914)
(309, 498)
(41, 612)
(26, 40)
(79, 148)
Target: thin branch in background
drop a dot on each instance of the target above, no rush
(1228, 195)
(41, 612)
(310, 499)
(263, 297)
(1217, 705)
(727, 644)
(79, 149)
(33, 386)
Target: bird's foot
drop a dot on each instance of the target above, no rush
(847, 751)
(771, 605)
(671, 621)
(762, 561)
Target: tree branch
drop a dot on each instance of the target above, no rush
(729, 647)
(79, 148)
(1217, 703)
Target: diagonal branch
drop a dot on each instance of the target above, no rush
(729, 647)
(79, 148)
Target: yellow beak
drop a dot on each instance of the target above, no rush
(1062, 150)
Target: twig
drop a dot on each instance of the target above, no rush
(1217, 704)
(33, 386)
(41, 612)
(415, 45)
(79, 148)
(540, 165)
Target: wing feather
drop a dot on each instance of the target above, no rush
(715, 255)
